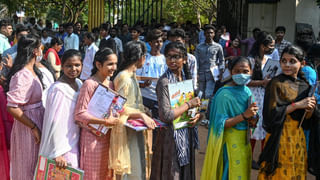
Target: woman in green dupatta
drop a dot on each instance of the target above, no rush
(228, 154)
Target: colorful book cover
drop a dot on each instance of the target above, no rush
(46, 170)
(180, 93)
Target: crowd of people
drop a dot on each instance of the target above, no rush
(48, 78)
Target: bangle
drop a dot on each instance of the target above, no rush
(244, 118)
(189, 106)
(293, 104)
(34, 126)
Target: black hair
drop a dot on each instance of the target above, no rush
(265, 39)
(232, 38)
(90, 36)
(101, 56)
(207, 27)
(298, 53)
(56, 40)
(132, 52)
(48, 25)
(108, 43)
(105, 27)
(5, 23)
(48, 65)
(314, 52)
(237, 60)
(137, 28)
(32, 19)
(256, 30)
(177, 32)
(69, 54)
(294, 50)
(183, 51)
(26, 46)
(124, 24)
(44, 30)
(280, 28)
(154, 35)
(223, 27)
(20, 28)
(69, 25)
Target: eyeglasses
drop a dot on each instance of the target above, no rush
(173, 57)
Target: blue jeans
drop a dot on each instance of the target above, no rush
(206, 84)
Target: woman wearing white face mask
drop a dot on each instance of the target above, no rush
(232, 111)
(24, 104)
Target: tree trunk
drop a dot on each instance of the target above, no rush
(199, 17)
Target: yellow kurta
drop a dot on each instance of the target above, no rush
(127, 85)
(292, 153)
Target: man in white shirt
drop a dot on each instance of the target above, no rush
(71, 41)
(89, 57)
(5, 32)
(45, 38)
(155, 64)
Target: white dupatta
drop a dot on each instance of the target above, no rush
(60, 134)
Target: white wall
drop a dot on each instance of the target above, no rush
(308, 12)
(263, 16)
(284, 13)
(286, 10)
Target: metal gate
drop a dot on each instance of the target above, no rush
(129, 11)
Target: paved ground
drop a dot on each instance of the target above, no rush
(203, 132)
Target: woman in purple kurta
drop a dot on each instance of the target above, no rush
(24, 103)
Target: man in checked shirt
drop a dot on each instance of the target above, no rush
(281, 43)
(210, 62)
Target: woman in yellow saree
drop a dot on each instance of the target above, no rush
(228, 154)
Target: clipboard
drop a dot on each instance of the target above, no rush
(271, 69)
(101, 101)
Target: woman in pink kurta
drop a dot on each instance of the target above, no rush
(94, 150)
(25, 105)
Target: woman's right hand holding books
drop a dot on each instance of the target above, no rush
(61, 162)
(149, 122)
(112, 119)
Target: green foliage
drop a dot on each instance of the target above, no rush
(52, 8)
(77, 10)
(183, 10)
